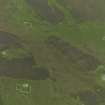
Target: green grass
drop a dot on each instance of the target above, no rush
(13, 53)
(21, 20)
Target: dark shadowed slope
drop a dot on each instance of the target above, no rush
(86, 9)
(17, 62)
(90, 97)
(50, 13)
(80, 59)
(9, 40)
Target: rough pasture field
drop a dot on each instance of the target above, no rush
(57, 61)
(51, 14)
(74, 55)
(16, 62)
(86, 10)
(91, 97)
(8, 40)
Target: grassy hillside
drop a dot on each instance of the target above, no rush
(86, 10)
(65, 36)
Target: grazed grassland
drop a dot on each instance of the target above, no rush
(71, 59)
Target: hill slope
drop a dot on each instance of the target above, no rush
(67, 37)
(93, 10)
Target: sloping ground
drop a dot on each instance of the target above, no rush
(75, 56)
(16, 61)
(51, 14)
(23, 69)
(86, 10)
(72, 69)
(8, 40)
(90, 97)
(66, 63)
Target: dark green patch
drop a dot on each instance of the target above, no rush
(80, 59)
(91, 10)
(1, 101)
(89, 98)
(51, 14)
(40, 73)
(22, 68)
(9, 40)
(16, 61)
(95, 97)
